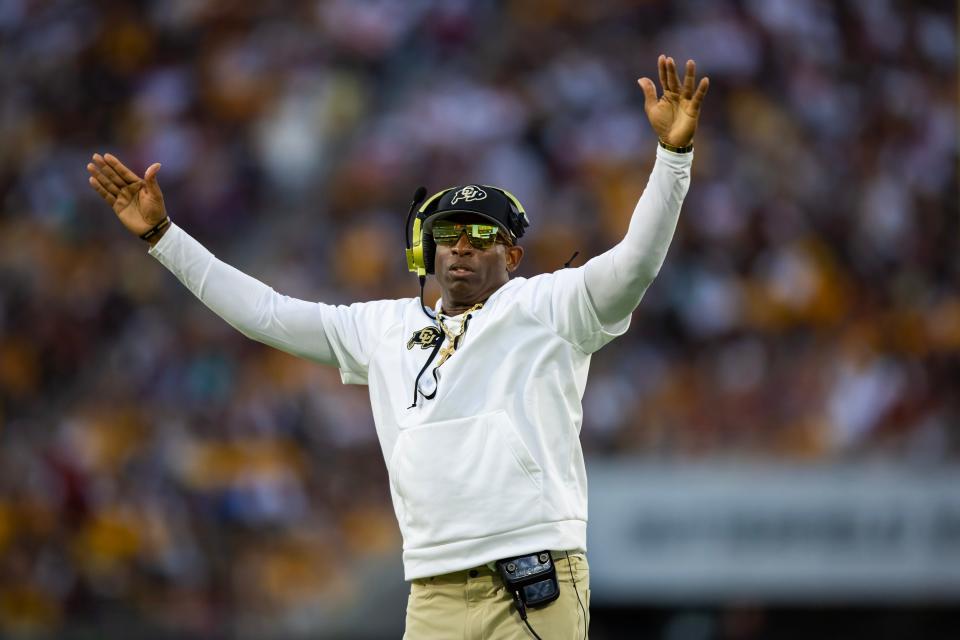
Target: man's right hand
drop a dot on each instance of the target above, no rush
(136, 201)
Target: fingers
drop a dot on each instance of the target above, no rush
(106, 195)
(670, 81)
(108, 171)
(662, 69)
(649, 93)
(701, 92)
(689, 79)
(107, 176)
(101, 179)
(150, 180)
(672, 78)
(151, 174)
(128, 176)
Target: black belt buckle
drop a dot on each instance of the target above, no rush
(533, 577)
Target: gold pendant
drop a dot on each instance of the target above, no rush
(445, 353)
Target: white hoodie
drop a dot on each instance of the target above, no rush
(491, 466)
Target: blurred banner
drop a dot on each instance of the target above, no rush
(772, 533)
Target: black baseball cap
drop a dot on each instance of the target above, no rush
(482, 200)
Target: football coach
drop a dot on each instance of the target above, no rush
(477, 401)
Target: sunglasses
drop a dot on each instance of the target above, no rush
(481, 236)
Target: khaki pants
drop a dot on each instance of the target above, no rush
(474, 605)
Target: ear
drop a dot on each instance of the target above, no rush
(514, 255)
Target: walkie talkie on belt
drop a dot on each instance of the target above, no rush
(531, 579)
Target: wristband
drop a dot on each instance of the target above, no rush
(160, 226)
(670, 147)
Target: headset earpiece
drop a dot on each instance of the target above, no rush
(414, 253)
(518, 216)
(415, 262)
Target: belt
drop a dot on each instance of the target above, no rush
(487, 569)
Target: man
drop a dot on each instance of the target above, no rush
(477, 404)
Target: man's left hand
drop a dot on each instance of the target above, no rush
(674, 116)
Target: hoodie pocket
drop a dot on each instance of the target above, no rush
(464, 479)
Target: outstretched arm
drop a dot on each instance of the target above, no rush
(617, 279)
(253, 308)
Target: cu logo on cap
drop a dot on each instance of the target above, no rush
(469, 194)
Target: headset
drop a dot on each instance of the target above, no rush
(421, 249)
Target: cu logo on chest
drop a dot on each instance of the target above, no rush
(426, 338)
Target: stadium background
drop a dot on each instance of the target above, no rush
(161, 476)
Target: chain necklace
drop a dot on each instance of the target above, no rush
(449, 350)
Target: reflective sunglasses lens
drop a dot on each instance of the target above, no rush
(481, 236)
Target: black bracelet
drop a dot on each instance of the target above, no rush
(160, 226)
(670, 147)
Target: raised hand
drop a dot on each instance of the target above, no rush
(674, 116)
(137, 201)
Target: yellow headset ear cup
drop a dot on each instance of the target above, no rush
(415, 261)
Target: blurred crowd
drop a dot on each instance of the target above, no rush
(155, 465)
